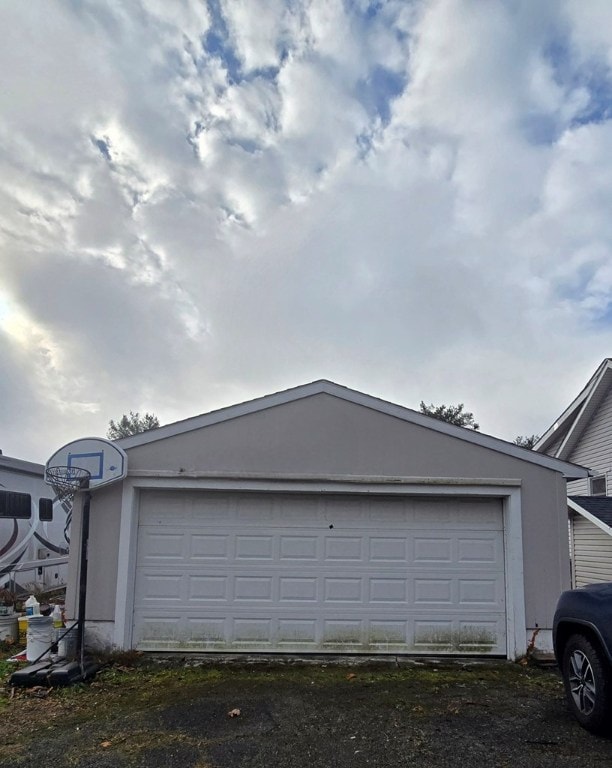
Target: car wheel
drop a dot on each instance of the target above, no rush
(587, 684)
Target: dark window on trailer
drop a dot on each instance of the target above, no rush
(45, 510)
(15, 505)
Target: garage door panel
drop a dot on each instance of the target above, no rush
(457, 635)
(387, 549)
(387, 590)
(156, 586)
(292, 631)
(205, 588)
(298, 589)
(251, 547)
(478, 550)
(209, 547)
(161, 545)
(343, 548)
(372, 583)
(388, 632)
(482, 592)
(428, 549)
(253, 630)
(253, 588)
(292, 548)
(430, 592)
(340, 590)
(210, 631)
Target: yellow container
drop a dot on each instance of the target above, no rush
(23, 630)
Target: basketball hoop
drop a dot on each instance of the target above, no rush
(66, 481)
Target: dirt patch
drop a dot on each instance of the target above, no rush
(170, 715)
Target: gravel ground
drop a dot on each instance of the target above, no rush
(297, 717)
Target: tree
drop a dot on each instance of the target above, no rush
(131, 425)
(453, 414)
(527, 442)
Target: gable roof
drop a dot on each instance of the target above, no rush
(572, 422)
(571, 471)
(597, 509)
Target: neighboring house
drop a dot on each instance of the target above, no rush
(324, 520)
(583, 434)
(591, 539)
(32, 550)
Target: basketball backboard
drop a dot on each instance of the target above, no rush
(105, 462)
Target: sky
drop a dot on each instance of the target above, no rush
(207, 201)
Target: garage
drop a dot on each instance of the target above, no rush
(324, 520)
(310, 573)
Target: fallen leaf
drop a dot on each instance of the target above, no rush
(351, 675)
(234, 713)
(106, 744)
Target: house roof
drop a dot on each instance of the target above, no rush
(572, 422)
(571, 471)
(597, 509)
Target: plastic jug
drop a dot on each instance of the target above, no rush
(32, 606)
(58, 622)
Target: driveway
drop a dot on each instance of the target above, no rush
(151, 714)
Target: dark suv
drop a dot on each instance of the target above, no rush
(582, 637)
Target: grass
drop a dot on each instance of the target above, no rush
(121, 712)
(129, 683)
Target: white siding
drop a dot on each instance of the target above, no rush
(592, 553)
(594, 449)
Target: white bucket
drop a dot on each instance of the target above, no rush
(9, 627)
(66, 648)
(40, 637)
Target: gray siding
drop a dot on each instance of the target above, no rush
(104, 522)
(594, 449)
(592, 553)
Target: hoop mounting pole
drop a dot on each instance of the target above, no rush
(84, 554)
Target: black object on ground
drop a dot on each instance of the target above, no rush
(54, 674)
(29, 676)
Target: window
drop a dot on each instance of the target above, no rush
(598, 485)
(15, 505)
(45, 510)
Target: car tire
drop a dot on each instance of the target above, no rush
(588, 684)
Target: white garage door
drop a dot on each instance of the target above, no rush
(320, 574)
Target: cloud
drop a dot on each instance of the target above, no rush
(210, 202)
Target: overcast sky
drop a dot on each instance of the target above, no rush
(205, 202)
